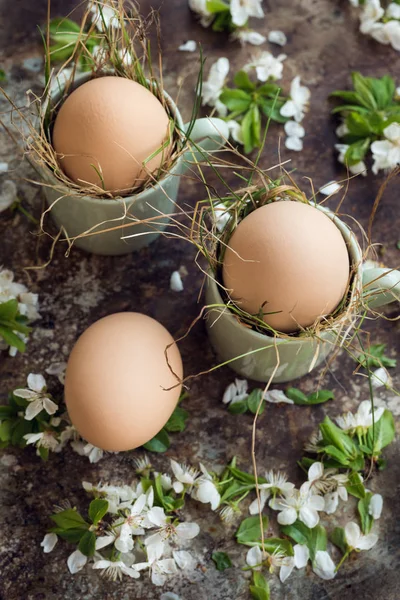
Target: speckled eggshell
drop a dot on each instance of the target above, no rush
(114, 124)
(115, 378)
(289, 258)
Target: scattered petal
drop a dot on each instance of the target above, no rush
(189, 46)
(332, 187)
(277, 37)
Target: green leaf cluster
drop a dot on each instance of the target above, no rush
(247, 103)
(13, 323)
(259, 588)
(375, 357)
(302, 399)
(252, 401)
(366, 110)
(66, 37)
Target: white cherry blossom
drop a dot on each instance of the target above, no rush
(298, 104)
(359, 168)
(204, 489)
(266, 66)
(247, 36)
(386, 153)
(157, 518)
(48, 542)
(393, 11)
(200, 8)
(159, 568)
(213, 86)
(235, 392)
(277, 484)
(362, 419)
(295, 132)
(370, 15)
(114, 570)
(299, 560)
(185, 476)
(299, 504)
(357, 540)
(44, 439)
(133, 524)
(82, 448)
(323, 565)
(241, 10)
(387, 33)
(36, 395)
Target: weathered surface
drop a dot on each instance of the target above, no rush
(324, 45)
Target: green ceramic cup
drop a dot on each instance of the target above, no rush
(78, 214)
(254, 355)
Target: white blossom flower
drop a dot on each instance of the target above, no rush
(8, 194)
(159, 568)
(76, 561)
(330, 483)
(142, 464)
(298, 103)
(277, 484)
(185, 475)
(393, 11)
(36, 395)
(266, 66)
(241, 10)
(387, 33)
(380, 378)
(299, 504)
(235, 392)
(277, 37)
(48, 542)
(200, 8)
(44, 439)
(299, 560)
(114, 570)
(133, 524)
(330, 188)
(157, 518)
(357, 540)
(221, 212)
(295, 132)
(372, 12)
(93, 453)
(386, 153)
(247, 36)
(323, 565)
(189, 46)
(358, 168)
(276, 397)
(375, 506)
(110, 16)
(118, 497)
(204, 489)
(362, 419)
(212, 88)
(175, 282)
(57, 369)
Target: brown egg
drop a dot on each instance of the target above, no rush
(110, 125)
(115, 378)
(289, 258)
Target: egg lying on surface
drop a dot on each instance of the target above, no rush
(117, 380)
(110, 126)
(290, 259)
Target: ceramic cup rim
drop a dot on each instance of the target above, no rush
(355, 254)
(80, 79)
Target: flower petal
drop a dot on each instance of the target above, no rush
(309, 516)
(301, 555)
(277, 37)
(76, 561)
(286, 568)
(33, 409)
(352, 533)
(287, 517)
(254, 557)
(323, 565)
(48, 542)
(36, 382)
(187, 531)
(375, 506)
(367, 541)
(49, 406)
(315, 471)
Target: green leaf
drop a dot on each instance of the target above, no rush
(375, 357)
(5, 431)
(318, 540)
(271, 109)
(97, 509)
(8, 310)
(315, 539)
(20, 428)
(272, 544)
(343, 108)
(177, 421)
(363, 510)
(12, 339)
(338, 455)
(87, 544)
(249, 529)
(339, 539)
(236, 100)
(63, 25)
(43, 453)
(243, 81)
(355, 485)
(69, 519)
(358, 124)
(382, 90)
(3, 76)
(256, 125)
(236, 489)
(159, 443)
(269, 90)
(221, 560)
(333, 435)
(356, 152)
(384, 433)
(299, 532)
(349, 97)
(321, 396)
(216, 6)
(260, 587)
(296, 395)
(244, 477)
(247, 132)
(70, 535)
(238, 408)
(253, 401)
(363, 89)
(5, 412)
